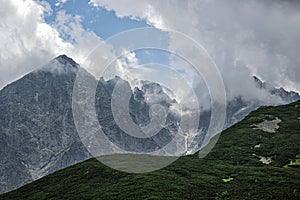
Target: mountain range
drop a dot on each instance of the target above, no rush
(38, 135)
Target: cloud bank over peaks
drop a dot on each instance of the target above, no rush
(244, 38)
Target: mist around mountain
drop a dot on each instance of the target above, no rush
(249, 161)
(240, 106)
(38, 135)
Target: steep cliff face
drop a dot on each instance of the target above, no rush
(139, 113)
(37, 132)
(38, 135)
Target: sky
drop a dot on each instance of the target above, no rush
(243, 38)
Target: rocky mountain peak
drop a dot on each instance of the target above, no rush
(63, 59)
(286, 96)
(259, 83)
(60, 65)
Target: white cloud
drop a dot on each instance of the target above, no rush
(60, 2)
(83, 41)
(243, 37)
(135, 9)
(27, 41)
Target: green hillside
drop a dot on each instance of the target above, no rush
(254, 159)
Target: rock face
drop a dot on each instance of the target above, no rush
(38, 134)
(280, 92)
(139, 110)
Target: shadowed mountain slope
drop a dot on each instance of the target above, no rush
(236, 168)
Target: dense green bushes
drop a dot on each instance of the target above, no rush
(236, 155)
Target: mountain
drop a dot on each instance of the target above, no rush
(257, 158)
(240, 107)
(280, 92)
(38, 134)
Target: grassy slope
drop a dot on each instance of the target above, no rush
(231, 171)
